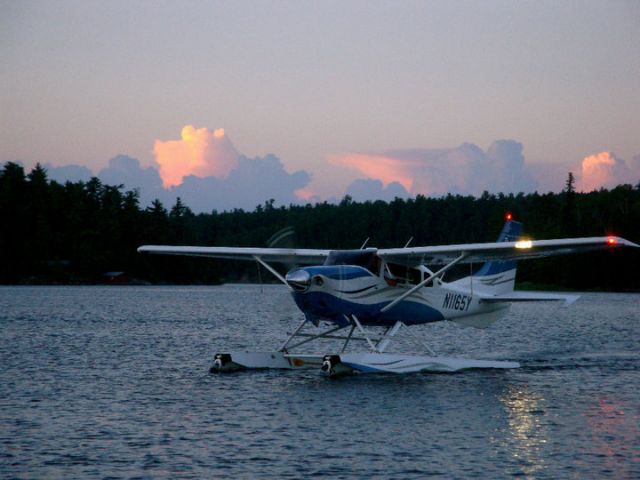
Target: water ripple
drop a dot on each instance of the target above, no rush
(108, 382)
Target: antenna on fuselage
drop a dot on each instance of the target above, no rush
(365, 243)
(408, 242)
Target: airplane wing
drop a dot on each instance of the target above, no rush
(297, 256)
(482, 252)
(440, 254)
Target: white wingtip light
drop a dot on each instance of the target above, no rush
(524, 244)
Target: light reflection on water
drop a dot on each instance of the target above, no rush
(528, 434)
(615, 434)
(104, 381)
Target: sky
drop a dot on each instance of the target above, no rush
(224, 103)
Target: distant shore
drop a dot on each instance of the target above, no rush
(36, 282)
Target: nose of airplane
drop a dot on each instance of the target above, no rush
(299, 280)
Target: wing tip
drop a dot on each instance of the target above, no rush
(146, 248)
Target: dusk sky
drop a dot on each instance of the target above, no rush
(223, 103)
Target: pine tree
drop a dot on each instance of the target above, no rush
(569, 213)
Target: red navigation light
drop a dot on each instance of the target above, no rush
(508, 216)
(612, 241)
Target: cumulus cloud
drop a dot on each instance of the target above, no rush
(250, 184)
(307, 194)
(466, 169)
(362, 190)
(386, 168)
(199, 152)
(124, 170)
(68, 173)
(603, 170)
(204, 169)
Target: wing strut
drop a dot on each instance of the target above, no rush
(424, 282)
(271, 269)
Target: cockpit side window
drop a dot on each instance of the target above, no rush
(362, 258)
(404, 274)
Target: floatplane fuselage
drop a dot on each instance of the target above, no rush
(350, 292)
(368, 287)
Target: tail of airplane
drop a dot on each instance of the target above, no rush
(495, 281)
(499, 277)
(496, 277)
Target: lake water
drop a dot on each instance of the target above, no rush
(114, 382)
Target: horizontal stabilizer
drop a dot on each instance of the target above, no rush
(531, 297)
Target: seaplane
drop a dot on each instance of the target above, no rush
(368, 295)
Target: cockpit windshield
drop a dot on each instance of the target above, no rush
(363, 258)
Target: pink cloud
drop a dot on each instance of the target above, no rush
(387, 169)
(306, 194)
(199, 152)
(463, 169)
(603, 170)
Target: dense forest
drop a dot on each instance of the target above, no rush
(79, 232)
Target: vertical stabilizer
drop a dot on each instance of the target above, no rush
(499, 277)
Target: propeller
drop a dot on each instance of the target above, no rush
(295, 280)
(284, 238)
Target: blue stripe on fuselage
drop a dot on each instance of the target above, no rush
(332, 308)
(339, 272)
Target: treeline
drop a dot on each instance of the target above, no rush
(78, 232)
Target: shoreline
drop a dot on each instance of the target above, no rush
(522, 286)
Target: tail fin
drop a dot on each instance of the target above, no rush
(499, 277)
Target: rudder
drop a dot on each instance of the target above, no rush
(499, 276)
